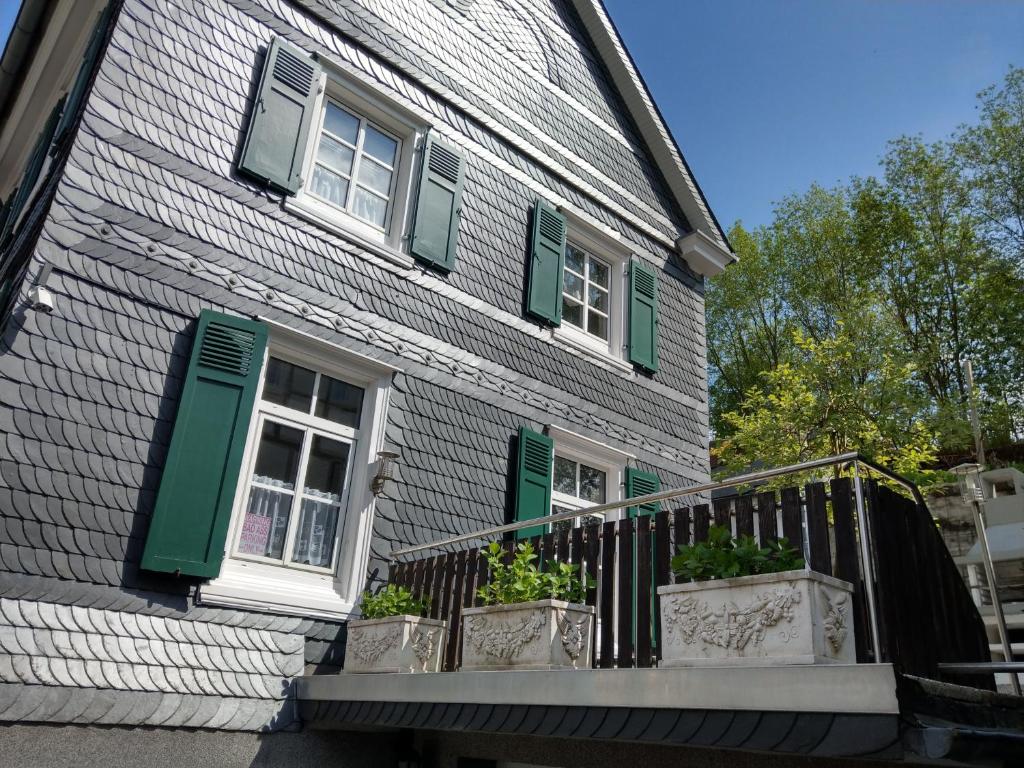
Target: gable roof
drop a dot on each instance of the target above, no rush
(653, 129)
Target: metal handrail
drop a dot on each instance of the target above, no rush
(673, 493)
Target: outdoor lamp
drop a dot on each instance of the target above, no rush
(385, 471)
(968, 476)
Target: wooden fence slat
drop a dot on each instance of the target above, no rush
(436, 587)
(848, 559)
(448, 599)
(576, 545)
(606, 610)
(681, 529)
(428, 578)
(562, 545)
(547, 551)
(626, 595)
(722, 512)
(767, 520)
(642, 587)
(701, 522)
(745, 516)
(792, 519)
(662, 571)
(817, 529)
(591, 559)
(482, 576)
(454, 614)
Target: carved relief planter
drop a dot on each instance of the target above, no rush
(793, 617)
(395, 644)
(547, 634)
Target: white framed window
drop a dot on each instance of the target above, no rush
(593, 291)
(303, 513)
(358, 170)
(586, 473)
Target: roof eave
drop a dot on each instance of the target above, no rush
(651, 124)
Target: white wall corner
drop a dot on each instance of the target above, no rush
(704, 255)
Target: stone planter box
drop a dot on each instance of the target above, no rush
(793, 617)
(547, 634)
(395, 644)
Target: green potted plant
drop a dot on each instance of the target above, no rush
(735, 601)
(394, 635)
(531, 618)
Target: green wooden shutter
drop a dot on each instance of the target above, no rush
(438, 205)
(533, 479)
(275, 144)
(193, 506)
(640, 484)
(547, 260)
(643, 316)
(78, 88)
(35, 166)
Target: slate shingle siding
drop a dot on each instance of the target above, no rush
(150, 224)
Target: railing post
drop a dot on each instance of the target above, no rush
(867, 566)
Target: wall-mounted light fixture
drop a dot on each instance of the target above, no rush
(39, 296)
(385, 471)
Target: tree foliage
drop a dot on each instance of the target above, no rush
(844, 325)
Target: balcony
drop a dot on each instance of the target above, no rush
(911, 615)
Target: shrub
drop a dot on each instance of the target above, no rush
(522, 582)
(393, 601)
(723, 557)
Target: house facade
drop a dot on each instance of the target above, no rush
(285, 285)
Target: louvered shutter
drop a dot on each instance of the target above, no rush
(193, 506)
(438, 205)
(81, 84)
(547, 260)
(640, 484)
(275, 144)
(32, 172)
(643, 316)
(535, 455)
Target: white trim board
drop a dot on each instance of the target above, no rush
(848, 688)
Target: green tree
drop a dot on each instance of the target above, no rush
(835, 396)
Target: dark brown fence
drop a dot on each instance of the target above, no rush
(925, 612)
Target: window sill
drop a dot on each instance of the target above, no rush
(273, 589)
(379, 247)
(571, 339)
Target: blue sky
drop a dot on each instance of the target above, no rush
(767, 97)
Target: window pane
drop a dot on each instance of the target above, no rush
(321, 503)
(572, 285)
(375, 176)
(377, 145)
(288, 385)
(266, 516)
(277, 458)
(592, 482)
(572, 313)
(561, 525)
(342, 124)
(329, 186)
(597, 325)
(325, 473)
(599, 272)
(597, 298)
(337, 156)
(339, 401)
(574, 259)
(314, 538)
(565, 476)
(369, 207)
